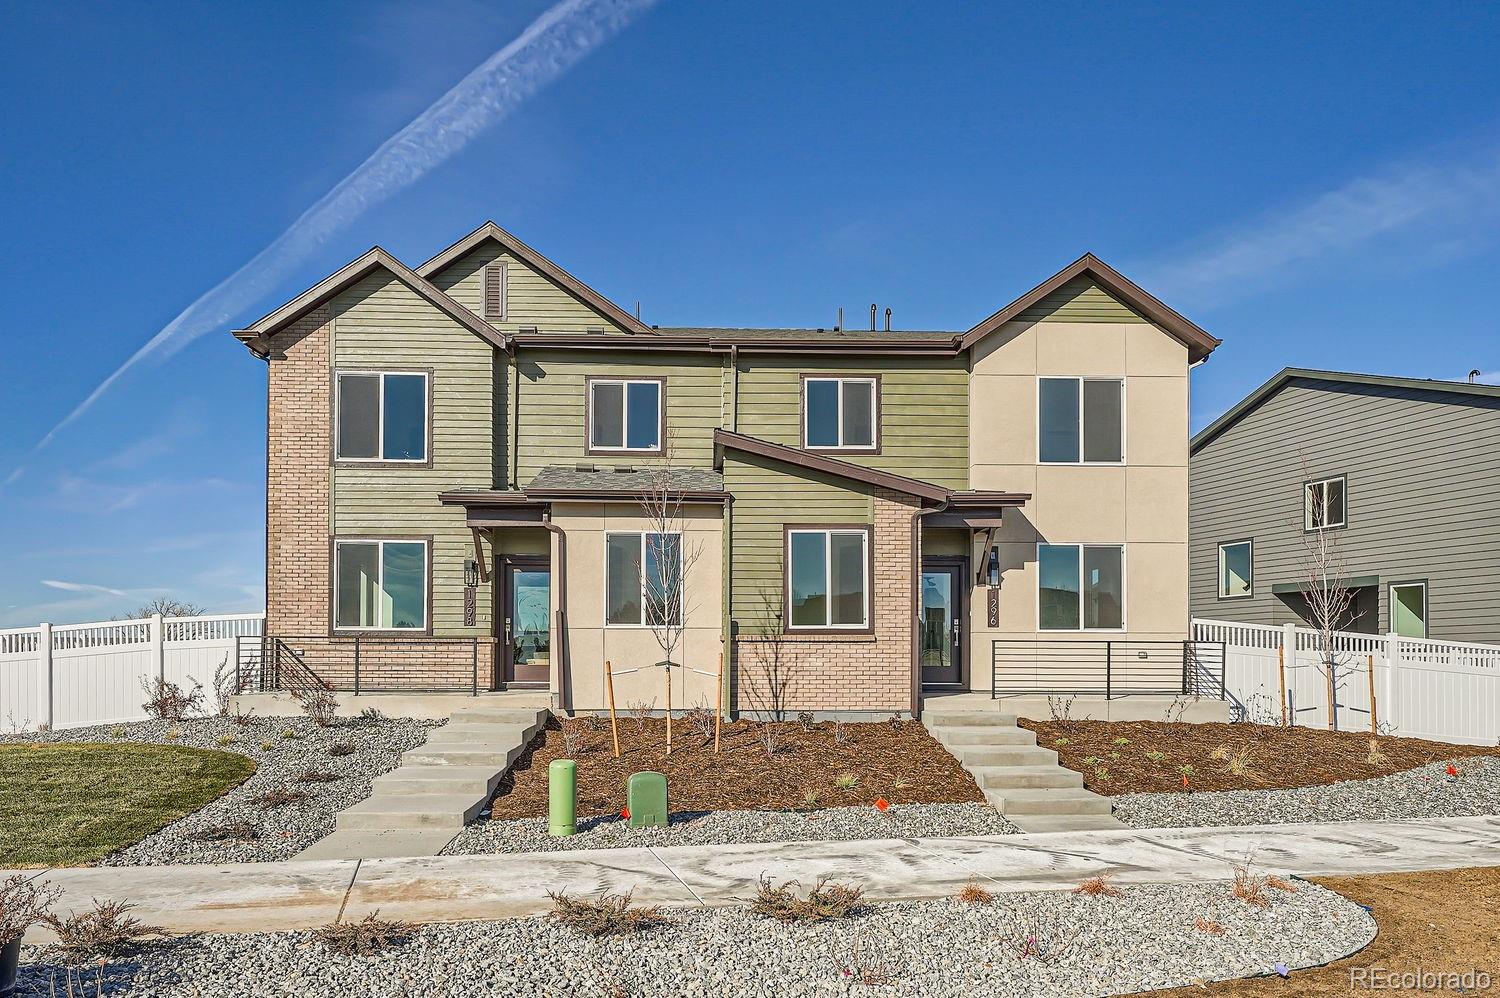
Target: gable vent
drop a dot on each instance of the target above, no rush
(494, 291)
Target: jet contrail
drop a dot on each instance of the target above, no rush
(548, 47)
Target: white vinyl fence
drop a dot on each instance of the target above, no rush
(69, 675)
(1440, 690)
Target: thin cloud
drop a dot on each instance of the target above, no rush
(548, 47)
(1441, 205)
(83, 587)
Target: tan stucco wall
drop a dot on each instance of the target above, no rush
(1142, 503)
(590, 642)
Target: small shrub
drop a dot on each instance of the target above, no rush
(318, 702)
(592, 722)
(1102, 774)
(173, 733)
(640, 710)
(701, 721)
(1238, 764)
(224, 740)
(279, 797)
(341, 749)
(900, 783)
(606, 915)
(827, 900)
(1186, 772)
(366, 937)
(811, 800)
(23, 903)
(572, 741)
(1220, 753)
(1114, 756)
(769, 737)
(118, 731)
(1376, 757)
(1209, 927)
(1061, 708)
(1041, 941)
(369, 716)
(840, 733)
(1064, 740)
(107, 931)
(846, 781)
(231, 831)
(805, 720)
(1155, 756)
(318, 776)
(896, 722)
(240, 717)
(167, 702)
(1092, 760)
(267, 745)
(1251, 887)
(1100, 886)
(1122, 741)
(975, 895)
(291, 735)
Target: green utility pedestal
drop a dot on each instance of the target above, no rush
(562, 798)
(646, 798)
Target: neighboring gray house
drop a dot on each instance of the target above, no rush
(1405, 469)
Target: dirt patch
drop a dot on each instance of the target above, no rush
(811, 768)
(1440, 922)
(1126, 757)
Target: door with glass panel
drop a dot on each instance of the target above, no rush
(526, 638)
(944, 645)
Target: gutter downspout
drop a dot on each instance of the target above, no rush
(916, 604)
(734, 388)
(515, 422)
(564, 697)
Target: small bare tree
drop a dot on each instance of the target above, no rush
(670, 555)
(768, 674)
(1330, 602)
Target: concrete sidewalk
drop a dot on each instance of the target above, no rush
(298, 895)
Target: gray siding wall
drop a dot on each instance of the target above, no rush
(1423, 471)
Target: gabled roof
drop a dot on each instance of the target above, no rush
(257, 335)
(1288, 374)
(1199, 343)
(489, 232)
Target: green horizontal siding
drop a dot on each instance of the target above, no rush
(379, 324)
(924, 409)
(532, 299)
(767, 496)
(1079, 300)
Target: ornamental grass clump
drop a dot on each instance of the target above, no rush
(975, 895)
(318, 776)
(827, 900)
(279, 797)
(605, 915)
(1099, 886)
(107, 931)
(366, 937)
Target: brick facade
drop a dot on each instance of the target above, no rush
(858, 672)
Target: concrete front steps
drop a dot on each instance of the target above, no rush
(1023, 780)
(418, 807)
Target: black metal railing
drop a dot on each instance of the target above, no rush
(362, 663)
(1107, 668)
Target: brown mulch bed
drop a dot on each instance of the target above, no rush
(901, 763)
(1438, 922)
(1274, 758)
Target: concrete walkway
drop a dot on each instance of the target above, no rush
(299, 895)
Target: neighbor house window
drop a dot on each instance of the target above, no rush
(382, 416)
(382, 585)
(1236, 569)
(624, 415)
(1080, 587)
(828, 578)
(1409, 609)
(1323, 504)
(840, 413)
(643, 579)
(1080, 420)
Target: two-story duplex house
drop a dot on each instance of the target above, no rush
(457, 452)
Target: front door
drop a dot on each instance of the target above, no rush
(527, 614)
(942, 624)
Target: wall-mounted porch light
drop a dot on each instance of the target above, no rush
(993, 571)
(471, 572)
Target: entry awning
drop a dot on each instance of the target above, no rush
(1356, 582)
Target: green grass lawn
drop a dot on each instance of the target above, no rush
(72, 804)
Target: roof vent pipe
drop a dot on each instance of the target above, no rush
(840, 327)
(887, 320)
(1474, 375)
(872, 317)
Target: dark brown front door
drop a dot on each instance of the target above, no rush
(526, 617)
(944, 611)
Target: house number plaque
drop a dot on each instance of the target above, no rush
(471, 603)
(993, 606)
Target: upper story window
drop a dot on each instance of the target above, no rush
(1236, 569)
(381, 416)
(840, 413)
(828, 578)
(381, 585)
(624, 415)
(1080, 587)
(1080, 420)
(643, 579)
(1323, 504)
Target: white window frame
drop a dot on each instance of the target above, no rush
(874, 384)
(338, 417)
(865, 575)
(1122, 382)
(641, 562)
(1426, 605)
(1247, 542)
(1307, 504)
(625, 383)
(1124, 590)
(380, 543)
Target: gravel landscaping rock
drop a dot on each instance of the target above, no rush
(296, 745)
(722, 827)
(935, 949)
(1426, 792)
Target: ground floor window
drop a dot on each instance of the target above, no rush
(828, 578)
(1080, 587)
(1409, 609)
(1236, 570)
(381, 584)
(643, 579)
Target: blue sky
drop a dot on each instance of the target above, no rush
(1317, 189)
